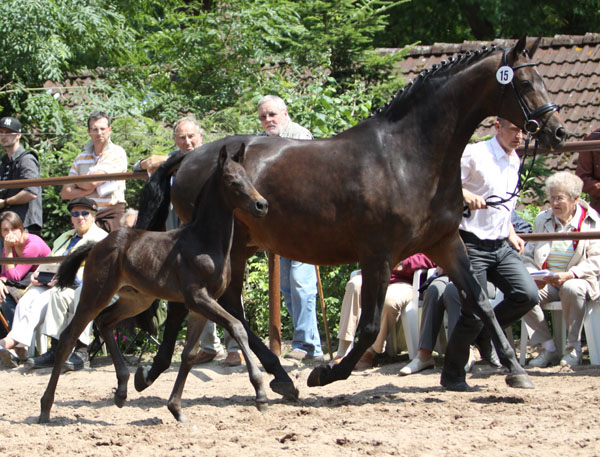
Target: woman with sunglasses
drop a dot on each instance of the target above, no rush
(14, 278)
(31, 310)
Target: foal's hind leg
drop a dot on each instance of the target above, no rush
(144, 376)
(89, 306)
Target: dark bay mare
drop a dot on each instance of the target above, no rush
(376, 193)
(189, 265)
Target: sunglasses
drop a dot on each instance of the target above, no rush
(78, 213)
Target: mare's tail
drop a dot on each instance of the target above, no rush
(156, 195)
(69, 267)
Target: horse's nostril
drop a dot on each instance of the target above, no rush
(262, 205)
(560, 133)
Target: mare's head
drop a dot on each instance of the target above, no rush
(523, 97)
(238, 191)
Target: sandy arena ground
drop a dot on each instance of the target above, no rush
(374, 412)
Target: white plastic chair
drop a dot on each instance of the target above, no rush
(591, 326)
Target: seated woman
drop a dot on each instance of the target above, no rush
(14, 278)
(575, 266)
(31, 310)
(398, 295)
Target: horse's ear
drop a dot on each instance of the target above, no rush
(519, 48)
(222, 157)
(533, 46)
(240, 156)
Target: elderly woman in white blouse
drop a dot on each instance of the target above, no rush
(575, 266)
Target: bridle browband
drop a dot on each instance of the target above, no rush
(531, 129)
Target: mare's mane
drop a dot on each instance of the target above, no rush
(403, 101)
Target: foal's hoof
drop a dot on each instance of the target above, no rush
(317, 376)
(284, 388)
(140, 381)
(519, 381)
(262, 406)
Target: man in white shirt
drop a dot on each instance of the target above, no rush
(490, 174)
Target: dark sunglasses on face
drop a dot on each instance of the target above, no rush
(82, 213)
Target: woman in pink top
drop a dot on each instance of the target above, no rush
(14, 278)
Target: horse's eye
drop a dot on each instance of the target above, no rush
(526, 86)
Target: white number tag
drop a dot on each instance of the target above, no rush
(504, 75)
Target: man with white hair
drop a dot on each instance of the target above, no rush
(298, 280)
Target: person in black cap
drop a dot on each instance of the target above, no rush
(19, 163)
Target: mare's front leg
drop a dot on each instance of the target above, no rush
(90, 304)
(126, 306)
(375, 280)
(231, 301)
(145, 376)
(475, 304)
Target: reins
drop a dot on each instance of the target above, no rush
(531, 128)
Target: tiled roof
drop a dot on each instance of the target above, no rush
(570, 66)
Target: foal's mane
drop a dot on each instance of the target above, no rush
(403, 100)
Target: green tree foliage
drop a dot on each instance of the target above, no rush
(452, 21)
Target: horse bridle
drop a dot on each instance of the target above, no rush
(531, 129)
(532, 125)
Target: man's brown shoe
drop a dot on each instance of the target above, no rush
(233, 359)
(205, 357)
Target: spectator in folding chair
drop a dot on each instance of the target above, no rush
(398, 295)
(574, 267)
(14, 278)
(31, 310)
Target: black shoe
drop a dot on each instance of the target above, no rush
(78, 360)
(45, 360)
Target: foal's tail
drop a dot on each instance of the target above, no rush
(156, 195)
(69, 267)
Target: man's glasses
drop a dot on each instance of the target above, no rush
(265, 116)
(80, 213)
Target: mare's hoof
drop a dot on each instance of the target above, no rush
(455, 385)
(119, 401)
(140, 381)
(262, 406)
(44, 418)
(519, 381)
(317, 376)
(284, 388)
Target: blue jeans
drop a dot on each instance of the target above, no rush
(299, 289)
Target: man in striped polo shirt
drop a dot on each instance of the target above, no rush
(100, 156)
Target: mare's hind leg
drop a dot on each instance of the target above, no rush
(144, 376)
(453, 259)
(90, 304)
(376, 277)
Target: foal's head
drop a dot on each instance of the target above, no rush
(238, 191)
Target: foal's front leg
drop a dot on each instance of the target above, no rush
(195, 326)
